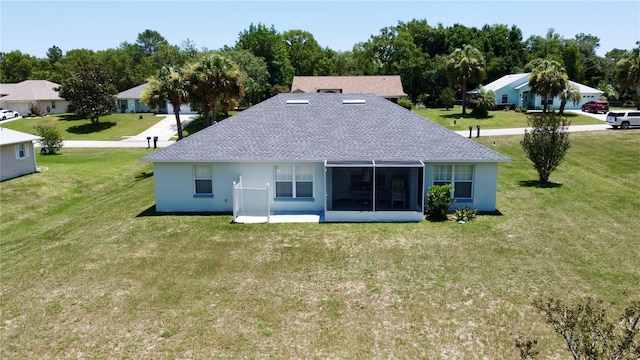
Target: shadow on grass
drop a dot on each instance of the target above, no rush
(70, 117)
(538, 184)
(466, 116)
(91, 128)
(143, 175)
(151, 211)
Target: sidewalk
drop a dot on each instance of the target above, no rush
(520, 131)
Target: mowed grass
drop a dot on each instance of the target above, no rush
(496, 119)
(71, 127)
(89, 270)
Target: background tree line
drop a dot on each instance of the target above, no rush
(269, 59)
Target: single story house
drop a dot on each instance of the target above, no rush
(386, 86)
(128, 101)
(514, 90)
(17, 157)
(342, 157)
(22, 96)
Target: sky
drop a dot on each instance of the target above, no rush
(34, 26)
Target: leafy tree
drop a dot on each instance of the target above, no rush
(255, 75)
(268, 43)
(447, 97)
(16, 66)
(546, 143)
(169, 85)
(150, 41)
(628, 72)
(90, 92)
(51, 138)
(465, 66)
(54, 54)
(570, 93)
(303, 51)
(589, 331)
(548, 79)
(214, 79)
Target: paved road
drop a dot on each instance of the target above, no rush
(165, 129)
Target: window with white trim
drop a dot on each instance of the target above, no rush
(293, 181)
(505, 98)
(203, 179)
(549, 100)
(22, 151)
(460, 176)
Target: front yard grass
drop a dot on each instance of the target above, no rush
(496, 120)
(90, 270)
(110, 127)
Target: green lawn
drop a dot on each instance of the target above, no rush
(495, 120)
(90, 270)
(110, 127)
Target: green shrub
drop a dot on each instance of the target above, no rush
(465, 214)
(439, 201)
(51, 138)
(405, 103)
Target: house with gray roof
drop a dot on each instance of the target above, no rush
(17, 155)
(128, 101)
(42, 94)
(386, 86)
(514, 90)
(342, 157)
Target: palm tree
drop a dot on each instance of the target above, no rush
(570, 93)
(168, 85)
(628, 73)
(465, 66)
(548, 79)
(214, 79)
(483, 100)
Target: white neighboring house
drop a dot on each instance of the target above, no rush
(22, 96)
(128, 101)
(514, 89)
(17, 157)
(343, 157)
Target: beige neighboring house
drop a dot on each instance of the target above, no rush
(22, 96)
(17, 156)
(386, 86)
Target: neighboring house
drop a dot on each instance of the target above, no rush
(128, 101)
(514, 90)
(21, 97)
(17, 157)
(386, 86)
(343, 157)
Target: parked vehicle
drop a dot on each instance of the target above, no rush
(8, 114)
(596, 106)
(623, 119)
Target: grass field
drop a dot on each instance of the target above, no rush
(89, 270)
(110, 127)
(495, 120)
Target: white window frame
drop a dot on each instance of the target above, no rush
(22, 151)
(446, 174)
(206, 174)
(505, 99)
(295, 179)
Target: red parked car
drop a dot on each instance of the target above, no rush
(596, 106)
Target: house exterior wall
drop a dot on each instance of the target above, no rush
(10, 167)
(174, 188)
(484, 190)
(24, 107)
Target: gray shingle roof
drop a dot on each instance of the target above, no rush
(8, 137)
(30, 90)
(325, 129)
(133, 93)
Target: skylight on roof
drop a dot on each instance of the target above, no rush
(297, 101)
(354, 101)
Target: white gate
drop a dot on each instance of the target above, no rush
(250, 205)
